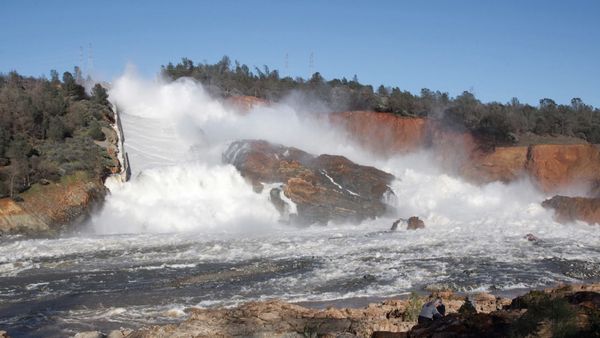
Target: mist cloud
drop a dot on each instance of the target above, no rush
(175, 134)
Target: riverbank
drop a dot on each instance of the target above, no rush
(567, 308)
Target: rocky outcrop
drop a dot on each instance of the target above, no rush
(50, 208)
(111, 145)
(415, 223)
(569, 209)
(572, 311)
(280, 319)
(544, 313)
(322, 188)
(551, 166)
(412, 223)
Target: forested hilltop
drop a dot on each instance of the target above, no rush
(494, 122)
(48, 129)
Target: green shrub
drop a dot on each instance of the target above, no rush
(56, 129)
(413, 307)
(95, 131)
(542, 307)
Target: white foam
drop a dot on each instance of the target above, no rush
(331, 180)
(188, 197)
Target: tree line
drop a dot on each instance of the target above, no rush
(48, 128)
(494, 122)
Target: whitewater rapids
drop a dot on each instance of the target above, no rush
(188, 230)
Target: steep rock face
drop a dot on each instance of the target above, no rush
(551, 166)
(323, 188)
(558, 166)
(386, 134)
(569, 209)
(48, 208)
(244, 104)
(111, 144)
(503, 164)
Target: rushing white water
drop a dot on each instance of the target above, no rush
(192, 190)
(185, 214)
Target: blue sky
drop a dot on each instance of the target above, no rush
(497, 49)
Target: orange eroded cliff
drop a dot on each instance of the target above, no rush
(551, 166)
(244, 104)
(558, 166)
(384, 133)
(502, 164)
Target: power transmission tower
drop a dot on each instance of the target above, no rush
(90, 60)
(311, 64)
(81, 58)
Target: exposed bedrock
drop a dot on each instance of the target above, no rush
(551, 166)
(50, 208)
(320, 188)
(546, 313)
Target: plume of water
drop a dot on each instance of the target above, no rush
(175, 134)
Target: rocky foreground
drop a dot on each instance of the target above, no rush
(563, 311)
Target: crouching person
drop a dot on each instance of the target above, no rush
(432, 310)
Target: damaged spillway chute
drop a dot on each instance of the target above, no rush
(125, 174)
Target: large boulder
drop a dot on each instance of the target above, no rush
(323, 188)
(569, 209)
(415, 223)
(412, 223)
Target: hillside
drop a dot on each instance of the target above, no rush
(494, 123)
(56, 147)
